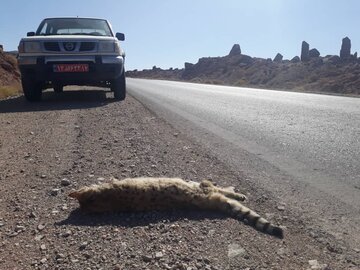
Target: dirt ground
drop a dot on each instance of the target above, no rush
(79, 138)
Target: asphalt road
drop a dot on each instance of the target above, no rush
(303, 147)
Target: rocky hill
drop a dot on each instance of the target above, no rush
(9, 74)
(307, 72)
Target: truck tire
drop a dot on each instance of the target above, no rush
(118, 86)
(32, 89)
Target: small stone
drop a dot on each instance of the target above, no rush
(32, 133)
(43, 247)
(32, 215)
(39, 237)
(146, 258)
(83, 245)
(67, 233)
(40, 227)
(43, 260)
(281, 251)
(59, 255)
(1, 224)
(314, 264)
(87, 255)
(65, 182)
(19, 228)
(159, 255)
(43, 176)
(235, 250)
(54, 192)
(101, 179)
(280, 207)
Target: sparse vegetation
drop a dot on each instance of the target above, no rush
(8, 91)
(9, 76)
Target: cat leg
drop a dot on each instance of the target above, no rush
(232, 195)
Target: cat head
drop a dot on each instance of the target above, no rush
(92, 199)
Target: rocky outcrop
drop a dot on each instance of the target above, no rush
(246, 59)
(1, 48)
(296, 59)
(314, 53)
(235, 50)
(334, 59)
(305, 51)
(188, 66)
(278, 58)
(311, 71)
(345, 52)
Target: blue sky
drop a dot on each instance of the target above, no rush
(167, 33)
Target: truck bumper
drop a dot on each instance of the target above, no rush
(101, 69)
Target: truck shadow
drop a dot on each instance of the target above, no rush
(51, 101)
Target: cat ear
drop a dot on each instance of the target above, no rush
(75, 194)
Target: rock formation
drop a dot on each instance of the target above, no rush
(188, 66)
(296, 59)
(246, 59)
(304, 51)
(278, 58)
(235, 50)
(314, 53)
(1, 48)
(334, 59)
(345, 49)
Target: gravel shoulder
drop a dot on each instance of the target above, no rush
(80, 138)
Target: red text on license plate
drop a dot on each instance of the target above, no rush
(71, 68)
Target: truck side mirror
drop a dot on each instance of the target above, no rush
(120, 36)
(30, 34)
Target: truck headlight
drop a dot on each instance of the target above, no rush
(109, 46)
(31, 46)
(106, 46)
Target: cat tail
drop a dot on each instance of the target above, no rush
(241, 212)
(261, 224)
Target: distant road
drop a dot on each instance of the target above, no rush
(305, 144)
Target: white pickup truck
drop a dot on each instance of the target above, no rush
(72, 51)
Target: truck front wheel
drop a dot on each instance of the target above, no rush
(32, 89)
(118, 86)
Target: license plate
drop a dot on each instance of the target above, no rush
(71, 68)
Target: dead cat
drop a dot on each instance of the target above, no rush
(146, 194)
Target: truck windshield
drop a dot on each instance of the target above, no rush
(74, 26)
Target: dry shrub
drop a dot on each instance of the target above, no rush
(8, 91)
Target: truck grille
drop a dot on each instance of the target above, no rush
(52, 46)
(57, 47)
(87, 46)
